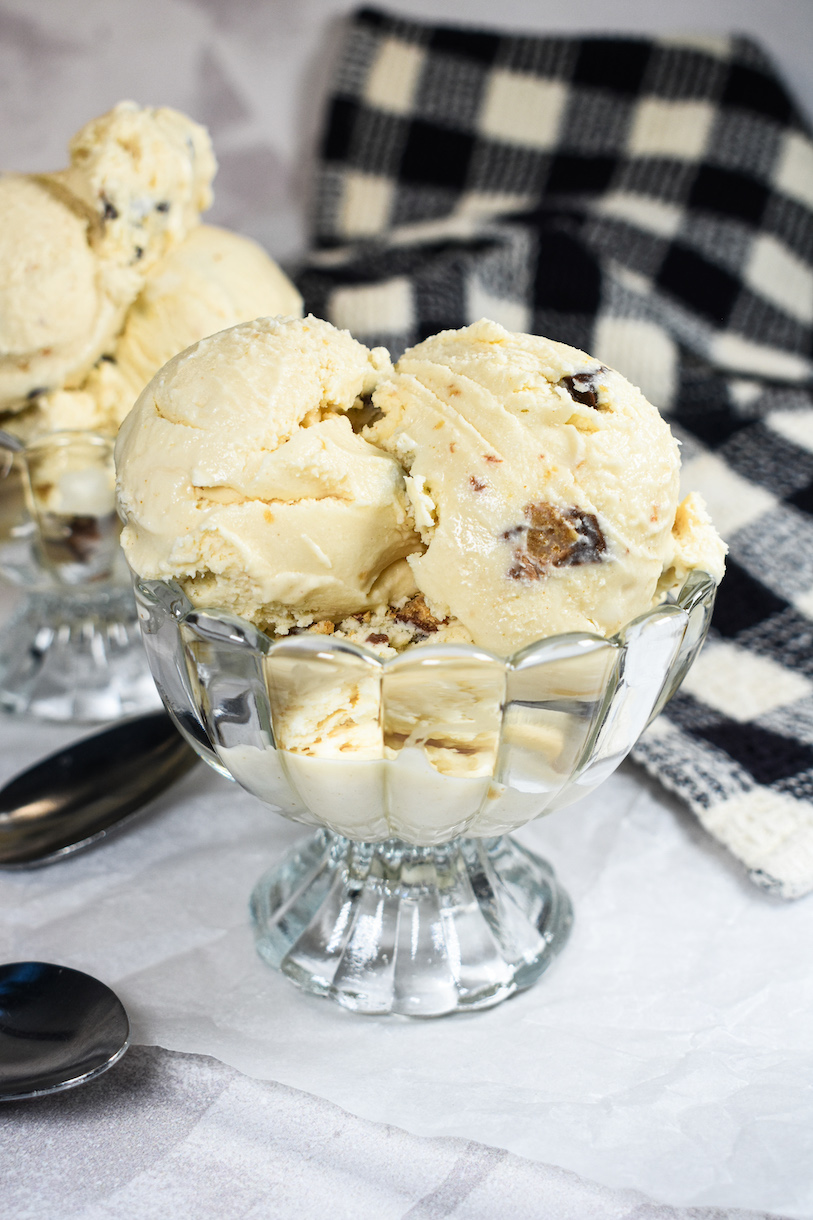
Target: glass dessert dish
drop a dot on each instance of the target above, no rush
(410, 896)
(72, 648)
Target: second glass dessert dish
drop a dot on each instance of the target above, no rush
(410, 896)
(72, 649)
(106, 271)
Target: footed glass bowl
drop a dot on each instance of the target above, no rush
(72, 649)
(411, 897)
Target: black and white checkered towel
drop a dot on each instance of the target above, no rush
(650, 201)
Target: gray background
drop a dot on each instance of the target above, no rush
(256, 72)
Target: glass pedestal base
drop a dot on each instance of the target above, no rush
(421, 931)
(75, 656)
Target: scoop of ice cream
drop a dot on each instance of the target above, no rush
(57, 266)
(58, 305)
(144, 174)
(106, 273)
(75, 246)
(239, 474)
(544, 486)
(212, 280)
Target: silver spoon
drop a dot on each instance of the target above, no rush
(58, 1028)
(11, 444)
(75, 797)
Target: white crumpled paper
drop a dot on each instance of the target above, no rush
(669, 1049)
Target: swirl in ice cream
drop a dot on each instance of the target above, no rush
(240, 474)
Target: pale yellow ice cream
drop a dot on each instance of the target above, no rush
(106, 273)
(37, 281)
(240, 474)
(75, 246)
(212, 280)
(696, 545)
(144, 175)
(498, 488)
(59, 305)
(491, 490)
(544, 487)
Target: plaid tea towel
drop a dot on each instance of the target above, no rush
(649, 200)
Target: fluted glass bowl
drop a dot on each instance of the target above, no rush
(411, 896)
(72, 650)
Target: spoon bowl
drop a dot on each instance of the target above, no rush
(58, 1028)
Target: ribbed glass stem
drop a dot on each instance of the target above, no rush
(422, 931)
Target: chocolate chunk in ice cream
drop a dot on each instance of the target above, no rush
(584, 387)
(417, 612)
(554, 538)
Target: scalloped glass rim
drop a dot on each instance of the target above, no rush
(441, 740)
(221, 625)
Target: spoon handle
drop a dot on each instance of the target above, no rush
(11, 445)
(7, 441)
(75, 797)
